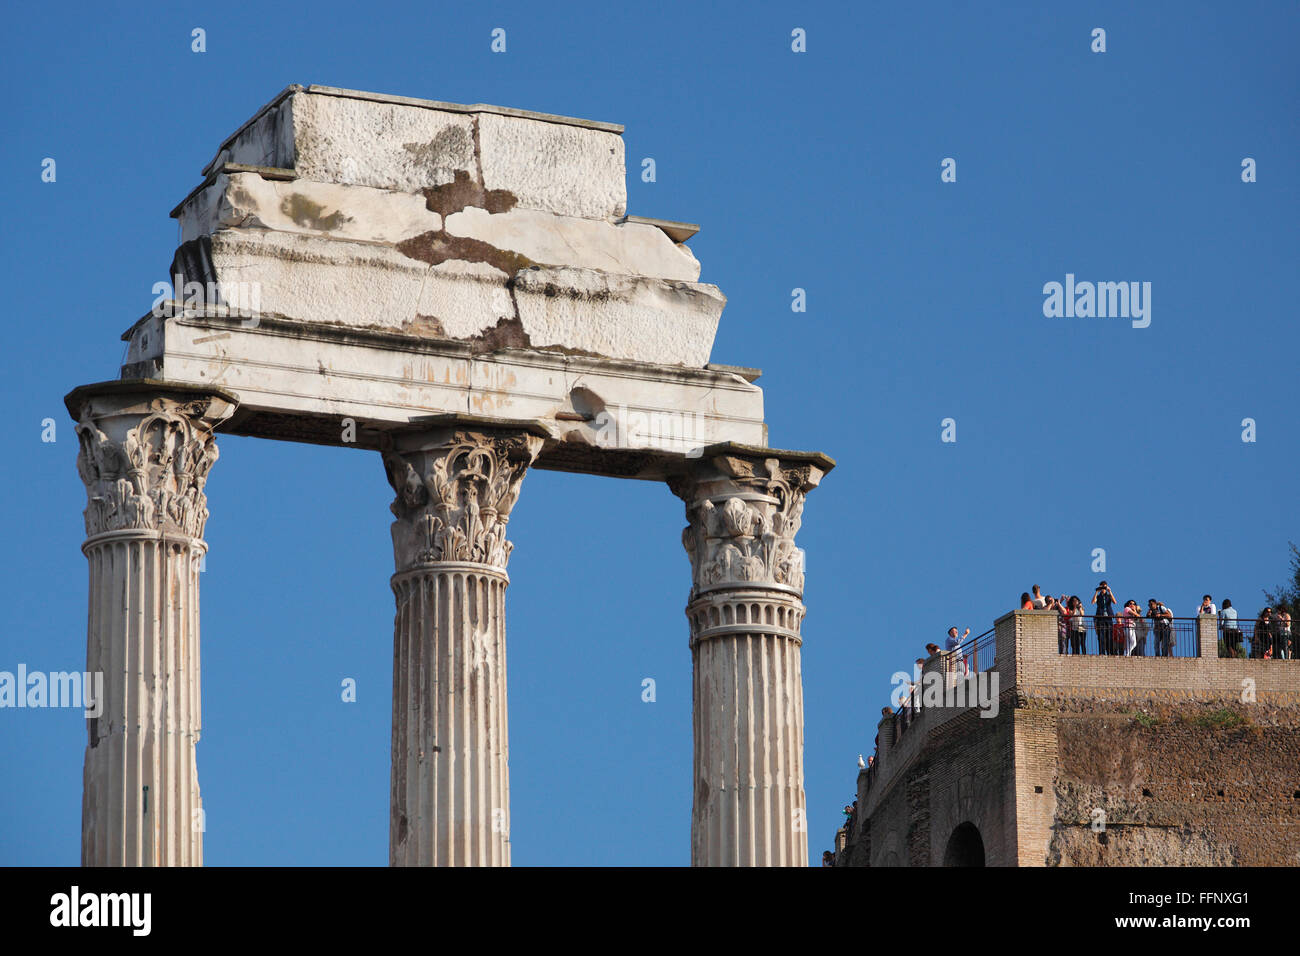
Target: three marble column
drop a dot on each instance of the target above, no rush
(146, 449)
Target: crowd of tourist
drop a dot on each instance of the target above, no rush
(1121, 630)
(1124, 631)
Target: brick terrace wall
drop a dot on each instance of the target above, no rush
(1179, 783)
(959, 770)
(1192, 761)
(1039, 666)
(1033, 780)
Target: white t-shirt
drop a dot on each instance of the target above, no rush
(1211, 609)
(1040, 601)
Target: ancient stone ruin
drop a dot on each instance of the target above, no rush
(461, 289)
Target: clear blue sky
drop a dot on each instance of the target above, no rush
(818, 170)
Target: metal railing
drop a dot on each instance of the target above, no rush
(977, 654)
(1115, 635)
(1257, 639)
(973, 656)
(1121, 635)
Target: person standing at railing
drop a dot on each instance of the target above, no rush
(1131, 616)
(953, 646)
(914, 689)
(1207, 606)
(1278, 641)
(1162, 623)
(1039, 602)
(1261, 642)
(1078, 624)
(1062, 625)
(1105, 599)
(1143, 629)
(1026, 602)
(1284, 634)
(1231, 632)
(1054, 605)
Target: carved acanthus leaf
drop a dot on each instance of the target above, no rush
(453, 501)
(150, 480)
(745, 535)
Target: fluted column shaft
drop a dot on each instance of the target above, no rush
(450, 785)
(145, 454)
(749, 807)
(745, 614)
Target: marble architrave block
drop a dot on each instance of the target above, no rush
(628, 418)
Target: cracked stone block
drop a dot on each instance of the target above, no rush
(388, 145)
(267, 140)
(246, 200)
(321, 280)
(465, 300)
(478, 223)
(363, 285)
(650, 320)
(566, 170)
(628, 248)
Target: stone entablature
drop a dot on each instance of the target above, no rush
(300, 381)
(375, 259)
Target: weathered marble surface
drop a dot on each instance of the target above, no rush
(145, 456)
(464, 223)
(302, 381)
(454, 487)
(460, 288)
(745, 613)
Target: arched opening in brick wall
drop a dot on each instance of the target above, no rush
(965, 847)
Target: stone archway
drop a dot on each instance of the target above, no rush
(965, 847)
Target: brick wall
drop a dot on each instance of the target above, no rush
(961, 771)
(1175, 782)
(1039, 666)
(1097, 760)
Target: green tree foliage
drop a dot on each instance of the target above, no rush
(1288, 595)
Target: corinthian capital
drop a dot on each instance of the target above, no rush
(743, 512)
(454, 492)
(146, 449)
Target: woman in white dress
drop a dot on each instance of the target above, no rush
(1130, 616)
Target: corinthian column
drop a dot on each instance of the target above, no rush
(745, 610)
(450, 788)
(146, 450)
